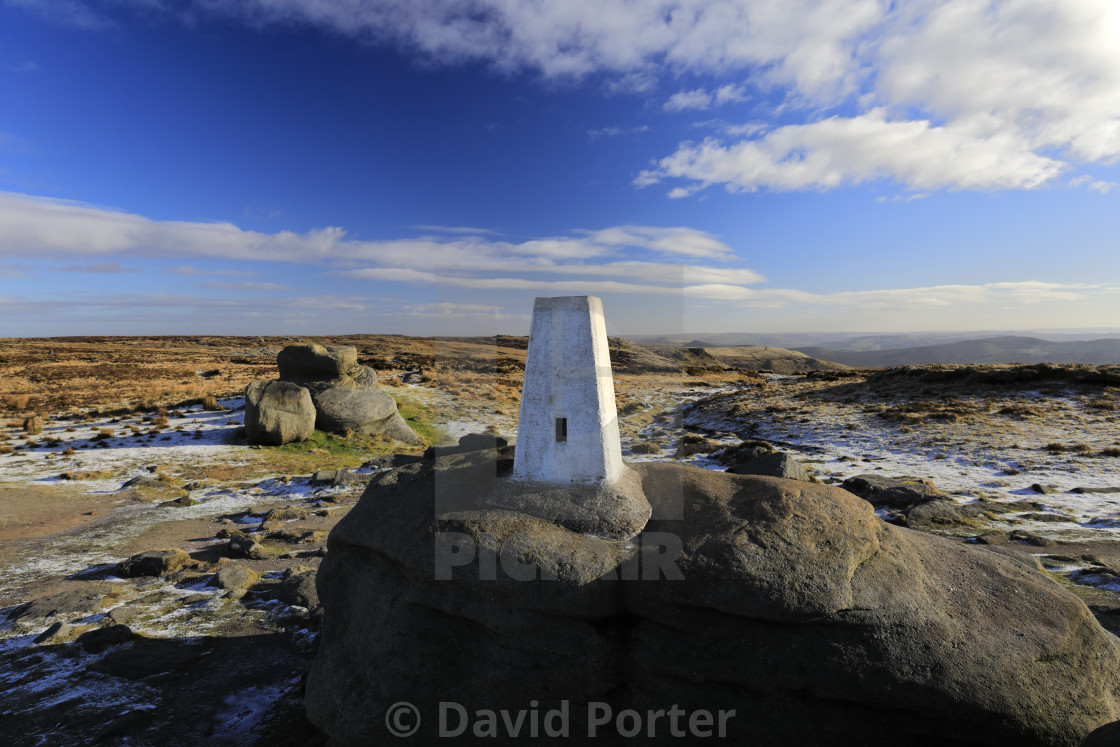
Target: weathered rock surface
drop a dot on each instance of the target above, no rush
(469, 442)
(56, 633)
(234, 577)
(150, 488)
(242, 546)
(100, 638)
(147, 658)
(391, 461)
(776, 464)
(298, 589)
(72, 601)
(124, 615)
(797, 607)
(278, 412)
(943, 512)
(153, 563)
(338, 409)
(313, 363)
(893, 492)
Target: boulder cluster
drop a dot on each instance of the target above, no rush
(321, 388)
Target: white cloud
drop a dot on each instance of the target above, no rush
(702, 99)
(631, 83)
(39, 227)
(615, 131)
(100, 268)
(503, 283)
(698, 99)
(930, 297)
(1103, 187)
(195, 271)
(746, 129)
(50, 228)
(680, 241)
(797, 42)
(1048, 70)
(728, 94)
(448, 310)
(457, 229)
(838, 151)
(249, 285)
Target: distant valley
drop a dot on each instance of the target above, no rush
(1007, 349)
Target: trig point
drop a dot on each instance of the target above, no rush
(568, 427)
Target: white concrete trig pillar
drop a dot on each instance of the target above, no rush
(568, 427)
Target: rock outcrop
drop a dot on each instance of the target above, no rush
(153, 563)
(343, 396)
(311, 364)
(893, 492)
(278, 412)
(775, 464)
(788, 602)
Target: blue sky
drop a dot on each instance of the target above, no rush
(423, 167)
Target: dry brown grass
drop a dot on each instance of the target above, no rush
(33, 425)
(691, 444)
(1020, 410)
(1060, 448)
(495, 389)
(944, 410)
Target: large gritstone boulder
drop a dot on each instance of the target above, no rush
(314, 363)
(367, 411)
(786, 602)
(345, 395)
(278, 412)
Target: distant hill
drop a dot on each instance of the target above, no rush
(731, 339)
(864, 340)
(627, 356)
(763, 358)
(1006, 349)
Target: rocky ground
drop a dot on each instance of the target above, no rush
(209, 635)
(1033, 463)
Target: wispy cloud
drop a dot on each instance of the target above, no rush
(448, 310)
(15, 270)
(702, 99)
(53, 228)
(930, 297)
(99, 268)
(260, 213)
(248, 285)
(605, 132)
(461, 230)
(27, 66)
(638, 259)
(72, 13)
(195, 271)
(1103, 187)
